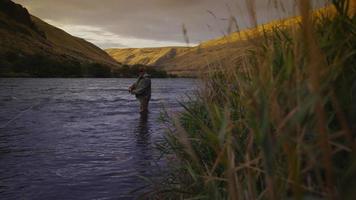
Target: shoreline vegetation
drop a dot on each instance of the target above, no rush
(277, 124)
(41, 67)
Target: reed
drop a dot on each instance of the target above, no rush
(277, 123)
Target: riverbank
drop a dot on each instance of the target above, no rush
(279, 125)
(85, 71)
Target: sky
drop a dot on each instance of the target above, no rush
(154, 23)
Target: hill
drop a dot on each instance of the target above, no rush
(189, 61)
(32, 47)
(146, 56)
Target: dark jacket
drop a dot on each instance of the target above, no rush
(142, 86)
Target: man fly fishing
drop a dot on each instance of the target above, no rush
(142, 90)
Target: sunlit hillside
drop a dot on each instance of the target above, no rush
(189, 61)
(185, 61)
(146, 56)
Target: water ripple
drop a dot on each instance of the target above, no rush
(81, 138)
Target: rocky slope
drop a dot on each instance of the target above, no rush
(32, 47)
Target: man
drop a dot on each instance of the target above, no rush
(142, 89)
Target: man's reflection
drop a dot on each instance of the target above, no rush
(143, 129)
(143, 147)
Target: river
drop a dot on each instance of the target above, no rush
(81, 138)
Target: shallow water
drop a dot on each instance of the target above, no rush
(80, 138)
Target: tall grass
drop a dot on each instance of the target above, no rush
(278, 122)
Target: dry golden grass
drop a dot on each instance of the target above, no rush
(278, 123)
(191, 61)
(145, 56)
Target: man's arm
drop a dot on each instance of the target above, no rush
(132, 87)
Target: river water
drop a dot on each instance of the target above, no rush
(81, 138)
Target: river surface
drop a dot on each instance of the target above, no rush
(81, 138)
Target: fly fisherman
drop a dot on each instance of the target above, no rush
(142, 90)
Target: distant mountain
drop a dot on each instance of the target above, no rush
(189, 61)
(32, 47)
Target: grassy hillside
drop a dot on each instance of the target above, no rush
(184, 61)
(146, 56)
(214, 53)
(31, 47)
(74, 46)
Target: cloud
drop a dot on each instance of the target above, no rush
(142, 23)
(106, 39)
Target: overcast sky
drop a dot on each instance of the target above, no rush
(152, 23)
